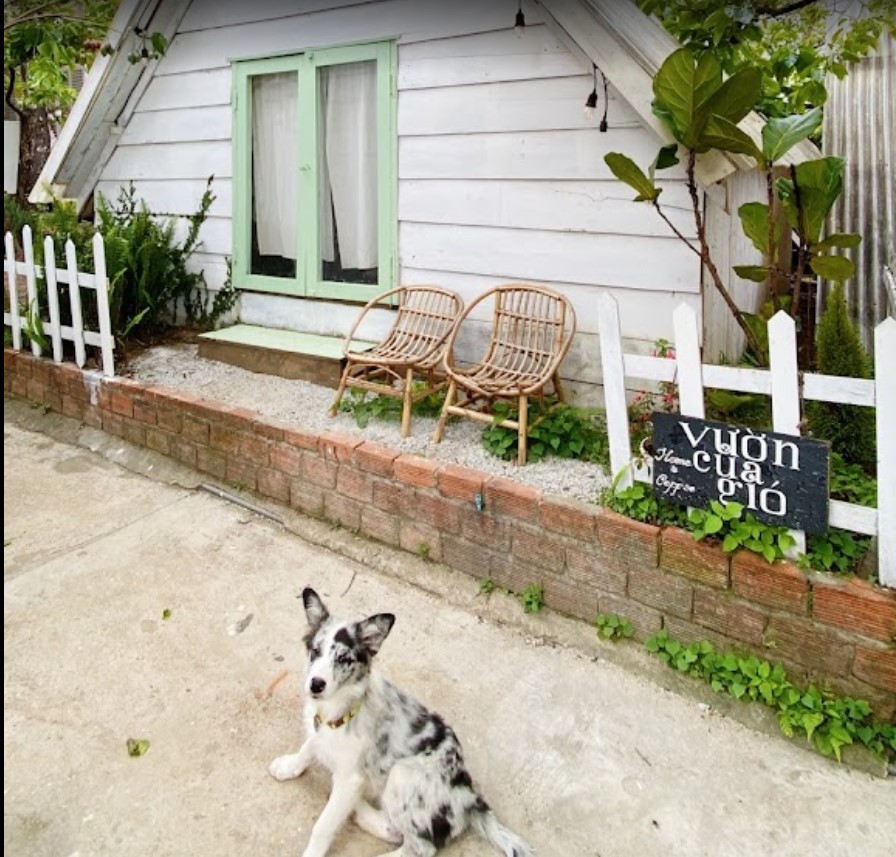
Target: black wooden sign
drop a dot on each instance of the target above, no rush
(780, 478)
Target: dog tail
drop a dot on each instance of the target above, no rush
(485, 823)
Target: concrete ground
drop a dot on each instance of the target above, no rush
(576, 751)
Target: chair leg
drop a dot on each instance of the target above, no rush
(443, 417)
(523, 430)
(407, 400)
(558, 387)
(334, 408)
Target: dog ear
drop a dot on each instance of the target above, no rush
(373, 631)
(315, 611)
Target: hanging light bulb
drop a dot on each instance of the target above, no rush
(603, 122)
(591, 103)
(520, 26)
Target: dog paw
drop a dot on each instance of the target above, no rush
(286, 767)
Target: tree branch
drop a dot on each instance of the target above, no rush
(675, 229)
(780, 11)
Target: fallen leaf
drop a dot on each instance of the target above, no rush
(166, 613)
(137, 746)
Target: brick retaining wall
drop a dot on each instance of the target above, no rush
(837, 632)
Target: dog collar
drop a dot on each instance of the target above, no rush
(341, 721)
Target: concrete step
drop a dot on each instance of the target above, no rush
(273, 351)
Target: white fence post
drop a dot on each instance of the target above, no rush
(885, 402)
(613, 365)
(10, 265)
(33, 311)
(785, 392)
(53, 298)
(74, 299)
(689, 370)
(107, 341)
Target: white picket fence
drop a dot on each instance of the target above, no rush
(784, 383)
(33, 314)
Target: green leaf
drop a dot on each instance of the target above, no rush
(137, 746)
(626, 170)
(713, 524)
(730, 543)
(754, 220)
(666, 157)
(166, 613)
(837, 268)
(722, 133)
(737, 95)
(839, 239)
(780, 135)
(756, 273)
(683, 89)
(159, 43)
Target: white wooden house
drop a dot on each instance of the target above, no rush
(358, 144)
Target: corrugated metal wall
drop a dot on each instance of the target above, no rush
(860, 126)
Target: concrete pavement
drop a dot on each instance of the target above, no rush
(582, 756)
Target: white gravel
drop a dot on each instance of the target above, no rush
(305, 405)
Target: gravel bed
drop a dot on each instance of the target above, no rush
(305, 405)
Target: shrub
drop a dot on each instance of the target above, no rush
(850, 428)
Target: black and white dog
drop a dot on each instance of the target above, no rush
(382, 745)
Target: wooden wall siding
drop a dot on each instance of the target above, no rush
(501, 175)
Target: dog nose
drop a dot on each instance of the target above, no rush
(317, 686)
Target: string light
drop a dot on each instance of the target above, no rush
(603, 122)
(591, 103)
(520, 26)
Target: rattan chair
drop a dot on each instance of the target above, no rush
(532, 328)
(407, 363)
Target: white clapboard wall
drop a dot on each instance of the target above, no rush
(41, 323)
(782, 382)
(501, 175)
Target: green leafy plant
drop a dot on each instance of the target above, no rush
(33, 327)
(837, 550)
(487, 586)
(424, 551)
(611, 626)
(554, 429)
(640, 503)
(850, 428)
(645, 402)
(850, 482)
(533, 598)
(365, 408)
(829, 722)
(728, 523)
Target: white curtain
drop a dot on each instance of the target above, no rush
(350, 171)
(275, 165)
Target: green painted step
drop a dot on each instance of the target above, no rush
(273, 351)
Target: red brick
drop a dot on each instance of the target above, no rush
(682, 554)
(539, 548)
(687, 632)
(273, 483)
(73, 408)
(336, 446)
(809, 644)
(227, 440)
(781, 585)
(183, 451)
(286, 459)
(630, 541)
(420, 539)
(462, 556)
(306, 497)
(343, 510)
(36, 390)
(665, 592)
(354, 483)
(242, 419)
(169, 419)
(255, 449)
(591, 569)
(375, 458)
(856, 606)
(40, 371)
(300, 439)
(506, 497)
(569, 517)
(158, 440)
(415, 470)
(122, 404)
(728, 615)
(645, 620)
(241, 474)
(212, 462)
(485, 529)
(144, 412)
(461, 483)
(134, 433)
(877, 666)
(113, 424)
(19, 386)
(319, 471)
(512, 573)
(389, 496)
(380, 525)
(438, 512)
(195, 430)
(268, 430)
(568, 597)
